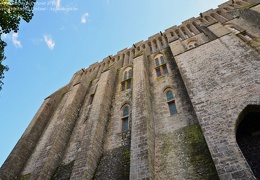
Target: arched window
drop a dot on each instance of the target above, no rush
(127, 79)
(248, 137)
(160, 65)
(192, 44)
(125, 119)
(171, 102)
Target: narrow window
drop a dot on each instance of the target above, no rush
(125, 122)
(156, 47)
(151, 50)
(123, 86)
(129, 84)
(169, 96)
(162, 60)
(162, 44)
(158, 72)
(125, 75)
(172, 108)
(130, 73)
(171, 102)
(165, 70)
(157, 62)
(125, 112)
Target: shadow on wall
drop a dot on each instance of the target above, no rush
(248, 137)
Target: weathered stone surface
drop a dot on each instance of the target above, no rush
(210, 64)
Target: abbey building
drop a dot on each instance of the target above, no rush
(184, 104)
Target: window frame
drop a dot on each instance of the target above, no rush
(125, 118)
(171, 102)
(161, 68)
(127, 79)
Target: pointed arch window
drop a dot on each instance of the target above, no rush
(171, 102)
(127, 79)
(160, 66)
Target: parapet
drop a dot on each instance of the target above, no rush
(190, 30)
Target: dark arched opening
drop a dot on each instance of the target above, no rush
(248, 138)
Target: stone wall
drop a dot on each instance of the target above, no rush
(213, 73)
(142, 148)
(91, 146)
(171, 150)
(222, 79)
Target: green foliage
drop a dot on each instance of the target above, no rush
(11, 12)
(2, 67)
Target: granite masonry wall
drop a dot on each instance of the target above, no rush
(211, 66)
(222, 79)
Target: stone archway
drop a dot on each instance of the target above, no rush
(248, 137)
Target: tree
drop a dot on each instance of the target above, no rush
(11, 12)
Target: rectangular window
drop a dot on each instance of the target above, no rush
(158, 72)
(128, 84)
(156, 62)
(162, 60)
(130, 73)
(125, 124)
(123, 86)
(156, 47)
(125, 75)
(151, 50)
(162, 44)
(165, 70)
(172, 108)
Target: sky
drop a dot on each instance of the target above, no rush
(67, 35)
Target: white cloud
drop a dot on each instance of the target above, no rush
(50, 43)
(15, 41)
(84, 18)
(5, 36)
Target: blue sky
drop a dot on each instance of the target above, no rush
(65, 36)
